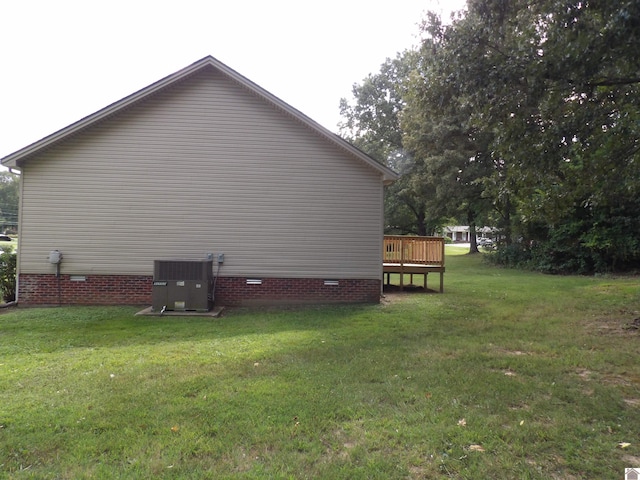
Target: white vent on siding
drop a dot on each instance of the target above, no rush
(332, 283)
(254, 281)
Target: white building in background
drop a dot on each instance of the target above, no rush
(460, 233)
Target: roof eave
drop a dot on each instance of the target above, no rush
(13, 160)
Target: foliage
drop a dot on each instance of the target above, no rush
(509, 374)
(526, 116)
(8, 261)
(563, 110)
(9, 188)
(450, 153)
(514, 255)
(372, 122)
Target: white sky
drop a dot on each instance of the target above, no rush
(62, 60)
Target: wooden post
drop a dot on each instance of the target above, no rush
(401, 264)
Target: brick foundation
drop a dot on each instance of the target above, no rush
(38, 289)
(280, 291)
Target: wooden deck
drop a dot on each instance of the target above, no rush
(413, 256)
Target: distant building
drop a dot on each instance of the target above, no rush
(457, 233)
(460, 233)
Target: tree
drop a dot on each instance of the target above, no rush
(372, 123)
(9, 188)
(522, 114)
(550, 92)
(570, 132)
(438, 134)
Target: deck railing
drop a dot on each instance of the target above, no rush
(415, 250)
(413, 255)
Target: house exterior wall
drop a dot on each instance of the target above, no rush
(204, 166)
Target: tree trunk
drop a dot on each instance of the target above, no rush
(420, 223)
(507, 222)
(473, 238)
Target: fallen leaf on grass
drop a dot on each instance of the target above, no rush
(476, 448)
(462, 422)
(427, 395)
(624, 444)
(175, 428)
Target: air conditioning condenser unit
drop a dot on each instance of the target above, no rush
(182, 285)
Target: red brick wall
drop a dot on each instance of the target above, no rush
(37, 289)
(274, 291)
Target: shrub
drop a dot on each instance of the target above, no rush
(8, 260)
(516, 255)
(577, 247)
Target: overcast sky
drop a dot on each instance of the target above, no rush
(62, 60)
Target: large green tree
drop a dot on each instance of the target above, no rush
(372, 123)
(550, 93)
(451, 153)
(524, 114)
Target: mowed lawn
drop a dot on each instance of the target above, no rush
(506, 375)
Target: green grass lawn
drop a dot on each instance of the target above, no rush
(507, 375)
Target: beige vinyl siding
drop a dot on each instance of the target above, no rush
(204, 166)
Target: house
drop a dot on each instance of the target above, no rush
(457, 233)
(200, 163)
(460, 233)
